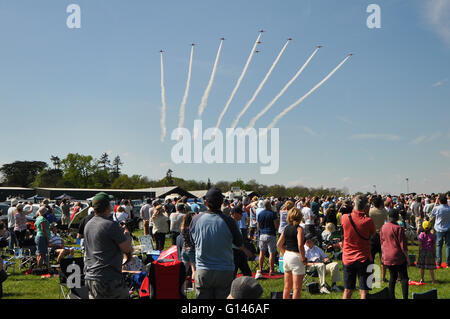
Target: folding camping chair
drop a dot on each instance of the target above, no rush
(165, 280)
(146, 244)
(310, 274)
(75, 276)
(22, 257)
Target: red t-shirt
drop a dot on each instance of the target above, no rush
(355, 248)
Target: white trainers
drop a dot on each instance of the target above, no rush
(258, 274)
(324, 290)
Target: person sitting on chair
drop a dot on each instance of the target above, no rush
(56, 244)
(317, 259)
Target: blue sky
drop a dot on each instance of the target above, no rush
(382, 117)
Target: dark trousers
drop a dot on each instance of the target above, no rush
(244, 233)
(174, 236)
(20, 235)
(395, 272)
(240, 262)
(160, 239)
(12, 238)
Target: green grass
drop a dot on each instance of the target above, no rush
(21, 286)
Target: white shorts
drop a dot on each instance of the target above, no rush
(292, 262)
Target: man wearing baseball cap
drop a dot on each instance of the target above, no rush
(245, 288)
(213, 234)
(105, 243)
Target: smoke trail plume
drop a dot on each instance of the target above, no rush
(300, 100)
(260, 85)
(163, 101)
(300, 71)
(205, 96)
(238, 83)
(186, 91)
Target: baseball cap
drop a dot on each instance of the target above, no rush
(214, 196)
(101, 199)
(245, 287)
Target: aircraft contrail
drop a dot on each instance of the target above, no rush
(163, 101)
(260, 85)
(186, 91)
(205, 96)
(238, 83)
(300, 71)
(300, 100)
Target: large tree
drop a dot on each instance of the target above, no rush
(21, 173)
(115, 169)
(78, 170)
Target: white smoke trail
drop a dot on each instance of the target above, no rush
(260, 86)
(186, 91)
(238, 83)
(205, 96)
(300, 71)
(163, 101)
(300, 100)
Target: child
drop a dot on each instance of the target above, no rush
(427, 251)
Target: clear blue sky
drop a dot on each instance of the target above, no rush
(383, 117)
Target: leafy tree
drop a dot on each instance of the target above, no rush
(56, 161)
(21, 173)
(78, 170)
(49, 178)
(115, 169)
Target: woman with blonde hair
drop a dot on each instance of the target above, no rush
(291, 245)
(160, 221)
(330, 228)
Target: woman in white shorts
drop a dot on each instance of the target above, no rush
(291, 246)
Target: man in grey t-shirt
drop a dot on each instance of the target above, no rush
(105, 243)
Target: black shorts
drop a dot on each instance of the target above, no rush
(354, 269)
(375, 246)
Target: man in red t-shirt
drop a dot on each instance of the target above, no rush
(356, 254)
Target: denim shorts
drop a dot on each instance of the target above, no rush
(41, 245)
(188, 256)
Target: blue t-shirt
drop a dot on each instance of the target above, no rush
(242, 223)
(442, 213)
(266, 222)
(213, 235)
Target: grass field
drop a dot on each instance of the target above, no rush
(21, 286)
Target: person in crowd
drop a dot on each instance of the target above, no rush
(128, 208)
(91, 210)
(169, 206)
(427, 252)
(416, 211)
(81, 227)
(4, 235)
(12, 223)
(75, 210)
(291, 247)
(145, 215)
(56, 244)
(160, 222)
(42, 238)
(268, 223)
(194, 206)
(20, 223)
(226, 207)
(239, 255)
(213, 234)
(283, 215)
(242, 223)
(441, 214)
(245, 288)
(176, 219)
(188, 246)
(330, 215)
(356, 257)
(317, 259)
(308, 217)
(105, 243)
(121, 216)
(253, 222)
(65, 209)
(395, 253)
(330, 228)
(379, 216)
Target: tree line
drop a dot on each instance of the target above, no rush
(85, 171)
